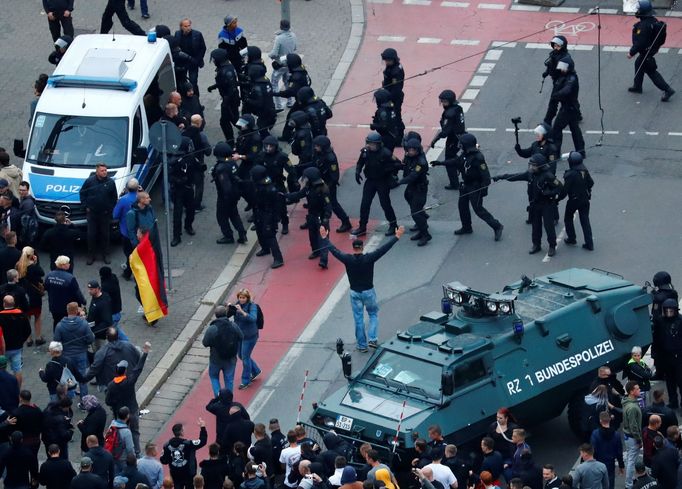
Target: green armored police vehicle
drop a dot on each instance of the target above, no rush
(534, 347)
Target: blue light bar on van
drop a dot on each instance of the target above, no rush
(72, 81)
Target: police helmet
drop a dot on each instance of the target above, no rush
(574, 159)
(468, 141)
(373, 138)
(298, 118)
(413, 144)
(390, 54)
(162, 31)
(560, 41)
(63, 42)
(259, 174)
(312, 174)
(256, 71)
(305, 95)
(253, 53)
(293, 60)
(448, 95)
(246, 121)
(222, 150)
(662, 278)
(382, 96)
(670, 308)
(644, 8)
(219, 56)
(270, 140)
(322, 141)
(538, 159)
(411, 135)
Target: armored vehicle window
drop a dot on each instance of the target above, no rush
(407, 373)
(469, 373)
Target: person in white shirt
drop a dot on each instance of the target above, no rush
(442, 473)
(339, 463)
(290, 456)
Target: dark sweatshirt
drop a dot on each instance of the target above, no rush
(360, 266)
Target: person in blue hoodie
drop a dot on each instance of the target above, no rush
(120, 212)
(245, 314)
(76, 336)
(608, 447)
(125, 446)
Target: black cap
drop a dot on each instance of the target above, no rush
(93, 284)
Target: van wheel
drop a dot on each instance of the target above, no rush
(576, 412)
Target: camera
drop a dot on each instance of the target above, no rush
(231, 310)
(516, 120)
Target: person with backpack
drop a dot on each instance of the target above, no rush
(60, 370)
(249, 317)
(118, 440)
(648, 35)
(121, 392)
(224, 339)
(179, 454)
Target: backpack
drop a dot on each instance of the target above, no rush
(227, 345)
(659, 32)
(260, 319)
(113, 443)
(29, 228)
(67, 378)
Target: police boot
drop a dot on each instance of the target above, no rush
(359, 231)
(345, 226)
(498, 233)
(668, 93)
(391, 230)
(451, 186)
(417, 237)
(176, 241)
(242, 239)
(414, 228)
(225, 240)
(426, 237)
(463, 230)
(552, 251)
(285, 228)
(304, 225)
(534, 249)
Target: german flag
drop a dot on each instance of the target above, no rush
(147, 266)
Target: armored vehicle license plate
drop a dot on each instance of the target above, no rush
(343, 422)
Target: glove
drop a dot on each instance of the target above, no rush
(517, 147)
(276, 65)
(545, 75)
(372, 127)
(496, 179)
(433, 143)
(358, 178)
(211, 88)
(435, 162)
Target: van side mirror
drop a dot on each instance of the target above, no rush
(346, 364)
(447, 384)
(139, 155)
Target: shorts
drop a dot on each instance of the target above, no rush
(34, 311)
(14, 360)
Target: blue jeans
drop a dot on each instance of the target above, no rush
(227, 367)
(249, 366)
(80, 361)
(359, 301)
(144, 9)
(116, 318)
(631, 453)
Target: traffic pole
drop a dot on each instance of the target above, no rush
(166, 196)
(285, 11)
(400, 421)
(300, 401)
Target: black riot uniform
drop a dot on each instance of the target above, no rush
(415, 176)
(578, 188)
(644, 33)
(544, 146)
(565, 91)
(475, 181)
(377, 163)
(663, 289)
(181, 60)
(259, 100)
(316, 109)
(670, 359)
(559, 50)
(324, 159)
(394, 78)
(227, 84)
(266, 208)
(181, 170)
(386, 121)
(298, 78)
(251, 57)
(545, 188)
(276, 162)
(319, 211)
(249, 146)
(224, 174)
(301, 138)
(451, 127)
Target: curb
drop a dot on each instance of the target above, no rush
(230, 274)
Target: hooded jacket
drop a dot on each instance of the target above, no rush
(13, 175)
(121, 390)
(180, 454)
(285, 43)
(137, 218)
(608, 446)
(632, 418)
(220, 408)
(75, 335)
(103, 367)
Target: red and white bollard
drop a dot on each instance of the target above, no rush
(400, 421)
(300, 402)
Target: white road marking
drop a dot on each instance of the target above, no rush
(391, 38)
(465, 106)
(503, 44)
(672, 13)
(493, 54)
(664, 50)
(582, 47)
(380, 1)
(564, 10)
(455, 4)
(478, 81)
(470, 94)
(363, 126)
(337, 124)
(511, 129)
(429, 40)
(609, 11)
(486, 68)
(425, 3)
(482, 129)
(651, 133)
(536, 45)
(492, 6)
(675, 134)
(617, 49)
(632, 133)
(465, 42)
(527, 8)
(414, 127)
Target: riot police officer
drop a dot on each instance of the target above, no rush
(224, 174)
(559, 50)
(671, 358)
(415, 171)
(259, 100)
(646, 40)
(386, 121)
(248, 148)
(475, 182)
(227, 84)
(663, 289)
(319, 211)
(302, 138)
(298, 78)
(565, 90)
(266, 208)
(394, 78)
(324, 159)
(251, 56)
(544, 188)
(451, 127)
(181, 171)
(578, 188)
(377, 163)
(317, 110)
(276, 162)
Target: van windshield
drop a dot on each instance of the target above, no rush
(406, 373)
(75, 141)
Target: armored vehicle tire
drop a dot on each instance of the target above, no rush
(575, 412)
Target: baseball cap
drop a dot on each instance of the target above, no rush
(122, 364)
(86, 462)
(93, 284)
(229, 19)
(4, 183)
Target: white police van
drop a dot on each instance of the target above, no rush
(98, 106)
